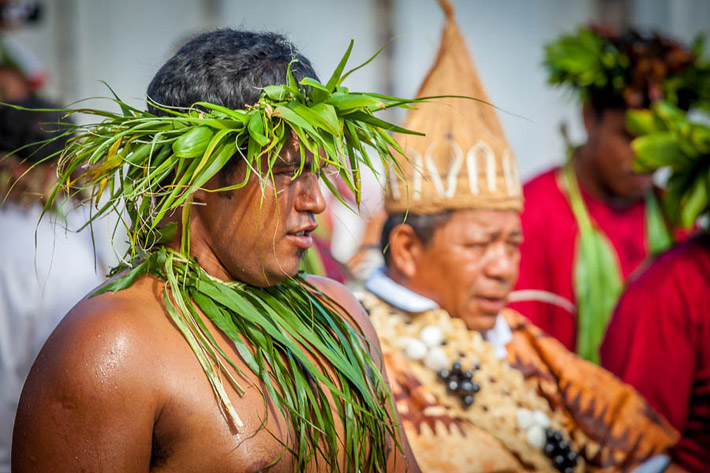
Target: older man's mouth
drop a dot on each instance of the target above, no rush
(491, 305)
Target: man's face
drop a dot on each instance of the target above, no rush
(610, 144)
(259, 237)
(470, 265)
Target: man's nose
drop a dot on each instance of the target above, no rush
(310, 198)
(500, 264)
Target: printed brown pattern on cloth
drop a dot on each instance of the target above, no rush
(486, 437)
(614, 423)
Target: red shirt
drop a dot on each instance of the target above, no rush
(547, 254)
(659, 341)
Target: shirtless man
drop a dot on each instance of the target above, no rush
(116, 387)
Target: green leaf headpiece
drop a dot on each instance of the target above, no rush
(153, 164)
(632, 69)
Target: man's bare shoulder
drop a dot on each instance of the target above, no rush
(105, 337)
(102, 362)
(128, 317)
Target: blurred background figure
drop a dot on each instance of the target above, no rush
(593, 221)
(44, 269)
(659, 336)
(658, 341)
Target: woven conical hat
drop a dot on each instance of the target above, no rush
(464, 161)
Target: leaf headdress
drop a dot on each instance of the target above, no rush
(152, 165)
(632, 69)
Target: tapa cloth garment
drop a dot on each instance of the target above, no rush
(604, 420)
(659, 342)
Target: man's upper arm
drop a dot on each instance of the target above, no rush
(87, 404)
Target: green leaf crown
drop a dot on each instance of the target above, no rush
(632, 69)
(153, 164)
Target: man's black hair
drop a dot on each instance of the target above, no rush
(423, 225)
(226, 67)
(643, 47)
(604, 100)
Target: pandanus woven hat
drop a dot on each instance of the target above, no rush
(464, 161)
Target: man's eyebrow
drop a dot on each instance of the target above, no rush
(488, 234)
(494, 234)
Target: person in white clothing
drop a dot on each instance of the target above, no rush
(45, 267)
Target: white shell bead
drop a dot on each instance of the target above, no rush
(541, 419)
(432, 336)
(436, 359)
(525, 418)
(414, 349)
(536, 436)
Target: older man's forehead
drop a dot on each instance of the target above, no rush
(486, 222)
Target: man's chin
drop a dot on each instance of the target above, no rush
(481, 322)
(635, 186)
(267, 277)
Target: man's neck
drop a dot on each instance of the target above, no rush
(200, 250)
(407, 299)
(392, 288)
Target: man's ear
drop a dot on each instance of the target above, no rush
(200, 194)
(405, 248)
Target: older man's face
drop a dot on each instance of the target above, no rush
(471, 264)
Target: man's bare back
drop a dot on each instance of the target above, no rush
(118, 367)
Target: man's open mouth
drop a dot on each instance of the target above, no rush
(301, 238)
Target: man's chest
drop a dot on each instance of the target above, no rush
(192, 433)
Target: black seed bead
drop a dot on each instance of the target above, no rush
(467, 375)
(549, 448)
(549, 433)
(452, 385)
(572, 457)
(558, 437)
(564, 446)
(559, 461)
(476, 387)
(568, 469)
(443, 374)
(467, 400)
(466, 387)
(456, 368)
